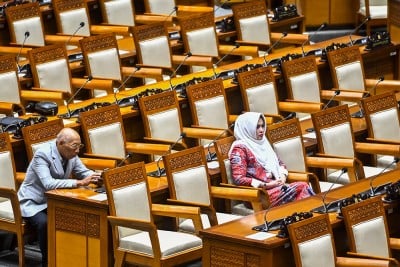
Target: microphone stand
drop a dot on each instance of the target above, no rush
(358, 27)
(123, 83)
(188, 55)
(323, 25)
(210, 156)
(284, 34)
(344, 170)
(175, 9)
(360, 113)
(27, 34)
(372, 189)
(81, 25)
(214, 66)
(291, 115)
(337, 92)
(161, 171)
(68, 114)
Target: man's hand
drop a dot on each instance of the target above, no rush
(94, 178)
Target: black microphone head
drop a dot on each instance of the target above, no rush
(337, 92)
(396, 159)
(183, 134)
(344, 170)
(284, 34)
(368, 18)
(27, 33)
(175, 8)
(90, 77)
(129, 154)
(138, 68)
(237, 45)
(189, 54)
(291, 115)
(381, 78)
(324, 25)
(82, 24)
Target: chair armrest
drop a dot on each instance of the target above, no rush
(101, 84)
(256, 197)
(193, 60)
(204, 133)
(188, 212)
(307, 177)
(178, 145)
(155, 73)
(145, 148)
(133, 224)
(100, 156)
(101, 29)
(201, 9)
(152, 18)
(240, 51)
(371, 257)
(343, 96)
(291, 38)
(206, 209)
(383, 141)
(62, 39)
(394, 243)
(14, 50)
(250, 43)
(99, 164)
(11, 194)
(361, 262)
(35, 95)
(384, 86)
(371, 148)
(299, 106)
(8, 108)
(20, 177)
(205, 127)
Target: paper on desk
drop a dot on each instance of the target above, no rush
(123, 52)
(99, 197)
(310, 135)
(261, 236)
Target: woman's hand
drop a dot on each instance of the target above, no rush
(272, 184)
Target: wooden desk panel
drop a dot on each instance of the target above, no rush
(227, 245)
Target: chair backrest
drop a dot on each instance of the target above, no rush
(311, 235)
(251, 22)
(160, 7)
(258, 90)
(69, 15)
(334, 131)
(103, 131)
(287, 141)
(25, 24)
(152, 45)
(347, 68)
(50, 68)
(382, 116)
(367, 227)
(11, 90)
(41, 133)
(376, 9)
(161, 116)
(302, 79)
(199, 35)
(222, 147)
(101, 56)
(7, 165)
(120, 12)
(125, 186)
(208, 104)
(187, 175)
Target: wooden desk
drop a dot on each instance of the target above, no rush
(227, 244)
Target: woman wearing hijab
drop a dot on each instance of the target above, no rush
(254, 162)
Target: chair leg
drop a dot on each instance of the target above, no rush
(21, 250)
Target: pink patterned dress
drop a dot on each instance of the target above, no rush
(245, 168)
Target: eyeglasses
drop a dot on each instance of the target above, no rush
(76, 146)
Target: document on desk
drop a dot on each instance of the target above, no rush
(99, 197)
(261, 236)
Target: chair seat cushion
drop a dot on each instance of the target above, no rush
(187, 225)
(6, 211)
(170, 242)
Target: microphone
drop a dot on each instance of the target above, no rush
(266, 227)
(358, 27)
(128, 155)
(344, 170)
(175, 9)
(284, 34)
(380, 79)
(395, 161)
(291, 115)
(188, 55)
(323, 25)
(337, 92)
(161, 171)
(211, 156)
(68, 114)
(123, 83)
(214, 66)
(81, 25)
(26, 35)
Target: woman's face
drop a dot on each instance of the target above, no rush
(260, 129)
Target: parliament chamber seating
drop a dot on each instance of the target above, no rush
(376, 10)
(180, 115)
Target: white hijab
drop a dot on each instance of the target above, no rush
(245, 133)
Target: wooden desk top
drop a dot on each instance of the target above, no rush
(236, 231)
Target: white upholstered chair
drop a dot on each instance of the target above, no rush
(315, 234)
(383, 123)
(136, 238)
(189, 183)
(368, 231)
(377, 10)
(104, 135)
(335, 138)
(118, 12)
(10, 213)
